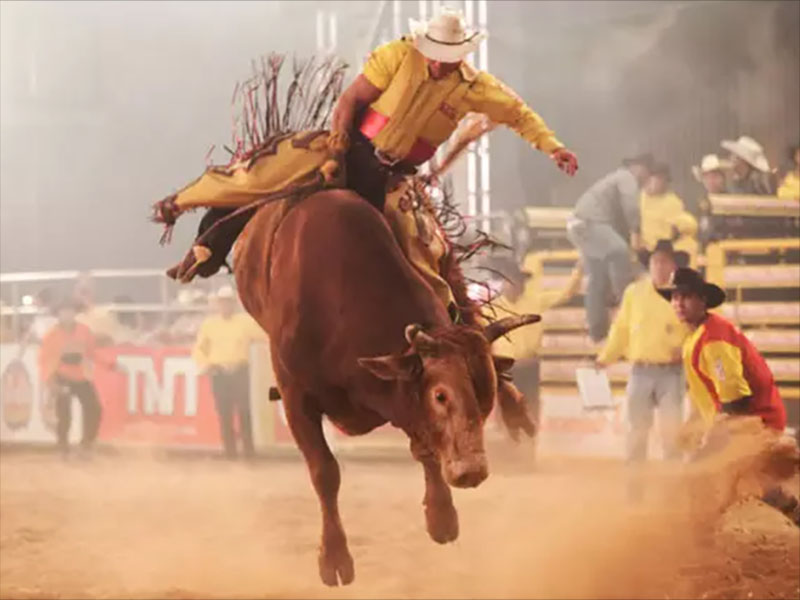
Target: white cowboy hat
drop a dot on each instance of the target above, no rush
(749, 151)
(444, 38)
(226, 292)
(710, 162)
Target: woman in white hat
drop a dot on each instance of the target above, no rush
(411, 95)
(751, 173)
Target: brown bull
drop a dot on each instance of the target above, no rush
(357, 335)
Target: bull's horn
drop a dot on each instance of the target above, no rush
(418, 339)
(503, 326)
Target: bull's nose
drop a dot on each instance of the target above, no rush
(468, 473)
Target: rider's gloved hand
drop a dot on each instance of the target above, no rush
(566, 160)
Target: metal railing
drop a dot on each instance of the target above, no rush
(18, 284)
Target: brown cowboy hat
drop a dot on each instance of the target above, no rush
(689, 281)
(680, 257)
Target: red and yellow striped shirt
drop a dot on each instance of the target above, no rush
(723, 366)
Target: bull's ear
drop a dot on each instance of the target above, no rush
(502, 364)
(393, 367)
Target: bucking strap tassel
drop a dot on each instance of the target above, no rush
(166, 237)
(166, 211)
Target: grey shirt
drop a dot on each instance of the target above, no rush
(755, 183)
(602, 202)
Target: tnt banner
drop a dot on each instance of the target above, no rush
(149, 396)
(155, 396)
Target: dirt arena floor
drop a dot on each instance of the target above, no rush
(137, 526)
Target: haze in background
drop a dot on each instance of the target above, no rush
(107, 107)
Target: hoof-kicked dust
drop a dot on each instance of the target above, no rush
(122, 527)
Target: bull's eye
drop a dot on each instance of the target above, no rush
(441, 397)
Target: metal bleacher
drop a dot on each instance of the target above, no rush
(752, 250)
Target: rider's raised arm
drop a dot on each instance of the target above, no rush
(377, 74)
(501, 104)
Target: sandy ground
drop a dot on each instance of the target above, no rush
(137, 526)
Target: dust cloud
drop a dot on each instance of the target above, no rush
(123, 526)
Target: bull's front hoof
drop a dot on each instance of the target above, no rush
(442, 522)
(336, 566)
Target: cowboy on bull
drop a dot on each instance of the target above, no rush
(409, 99)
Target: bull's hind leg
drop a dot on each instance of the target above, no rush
(441, 518)
(306, 424)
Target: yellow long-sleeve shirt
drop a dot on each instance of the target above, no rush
(790, 186)
(415, 109)
(645, 329)
(660, 213)
(225, 342)
(525, 342)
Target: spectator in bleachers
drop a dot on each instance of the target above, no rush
(790, 185)
(647, 333)
(45, 318)
(185, 327)
(97, 318)
(711, 173)
(605, 254)
(727, 376)
(750, 172)
(124, 327)
(520, 296)
(64, 356)
(222, 351)
(664, 215)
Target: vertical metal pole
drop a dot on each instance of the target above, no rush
(472, 159)
(333, 26)
(396, 18)
(423, 10)
(320, 31)
(483, 65)
(15, 320)
(164, 302)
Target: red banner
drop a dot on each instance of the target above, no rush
(155, 396)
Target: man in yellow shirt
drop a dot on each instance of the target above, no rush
(664, 215)
(411, 95)
(647, 333)
(409, 99)
(222, 351)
